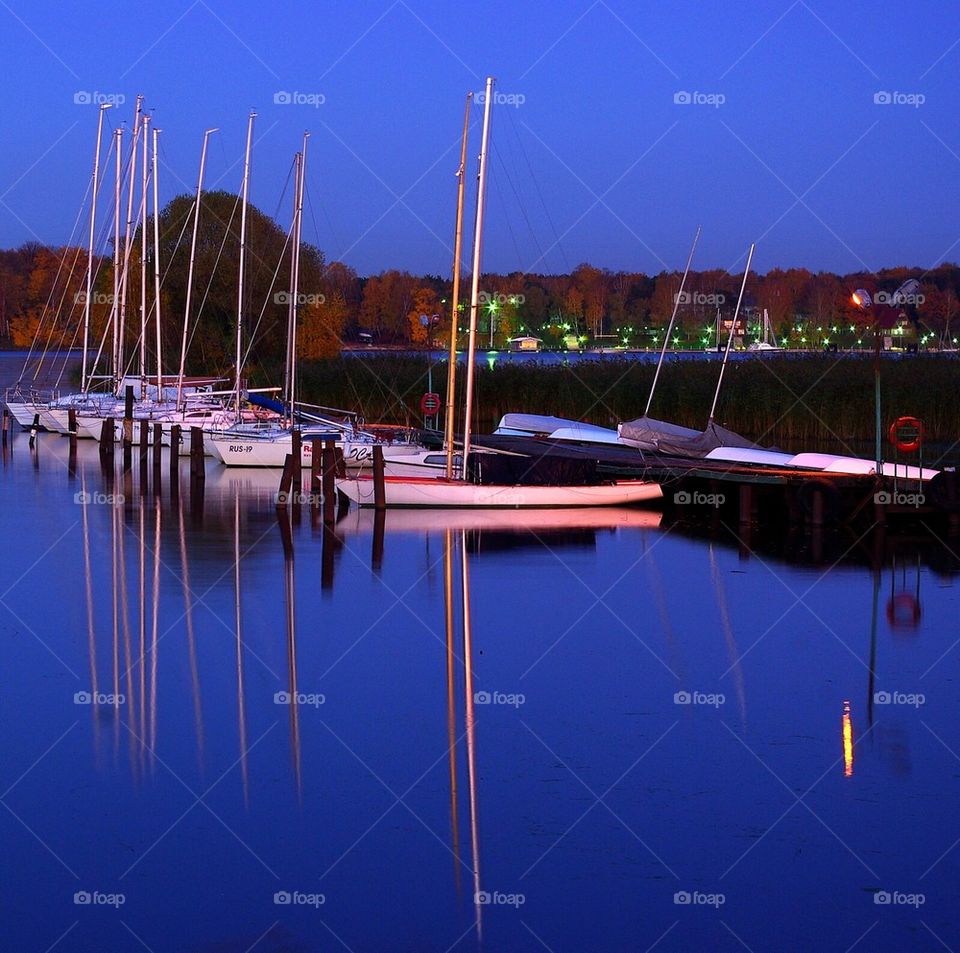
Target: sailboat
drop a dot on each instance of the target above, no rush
(460, 491)
(767, 340)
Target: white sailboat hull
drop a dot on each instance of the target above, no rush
(241, 452)
(438, 492)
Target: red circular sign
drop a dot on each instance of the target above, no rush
(430, 404)
(906, 434)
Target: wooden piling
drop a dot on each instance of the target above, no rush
(72, 428)
(296, 451)
(316, 485)
(286, 481)
(144, 437)
(198, 470)
(341, 462)
(329, 481)
(379, 487)
(107, 437)
(34, 430)
(175, 438)
(128, 418)
(6, 424)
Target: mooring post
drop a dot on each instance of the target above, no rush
(157, 456)
(316, 458)
(72, 428)
(128, 417)
(286, 480)
(34, 430)
(376, 553)
(329, 481)
(379, 487)
(175, 438)
(107, 437)
(296, 451)
(6, 424)
(340, 461)
(197, 468)
(144, 438)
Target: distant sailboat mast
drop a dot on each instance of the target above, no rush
(193, 256)
(156, 261)
(243, 255)
(143, 258)
(127, 242)
(84, 380)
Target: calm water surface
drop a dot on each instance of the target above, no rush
(637, 736)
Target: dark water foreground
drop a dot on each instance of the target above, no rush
(222, 737)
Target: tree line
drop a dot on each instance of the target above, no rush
(42, 292)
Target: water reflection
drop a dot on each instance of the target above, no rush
(198, 603)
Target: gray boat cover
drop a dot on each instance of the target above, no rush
(646, 433)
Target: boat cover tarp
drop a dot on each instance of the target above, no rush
(533, 424)
(662, 437)
(490, 469)
(270, 403)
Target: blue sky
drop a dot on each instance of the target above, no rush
(594, 160)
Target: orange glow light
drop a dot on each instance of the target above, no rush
(847, 741)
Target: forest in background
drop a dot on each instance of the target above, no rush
(42, 295)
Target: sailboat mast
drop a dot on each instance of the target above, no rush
(156, 259)
(291, 295)
(193, 256)
(115, 303)
(475, 277)
(295, 267)
(243, 255)
(455, 306)
(733, 327)
(93, 224)
(127, 240)
(673, 318)
(143, 259)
